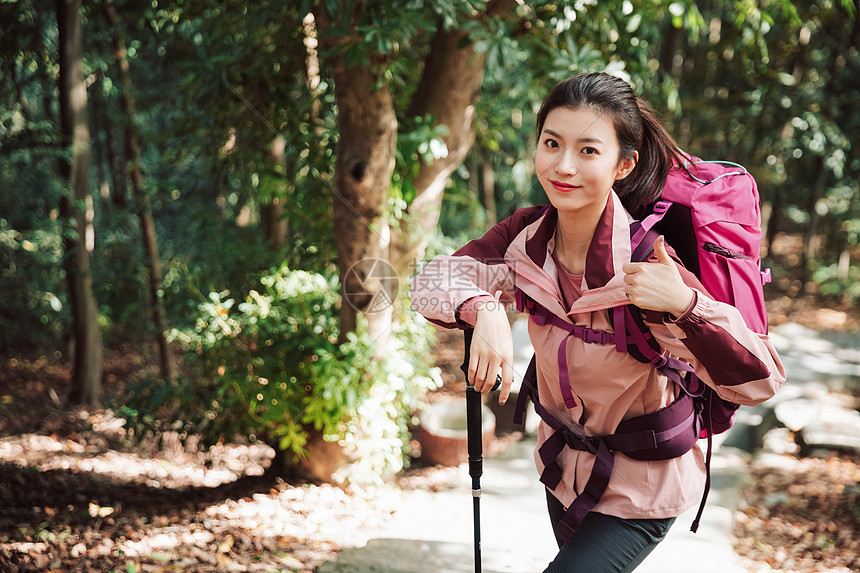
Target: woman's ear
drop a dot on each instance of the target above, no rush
(625, 166)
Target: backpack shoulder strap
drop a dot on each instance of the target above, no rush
(639, 229)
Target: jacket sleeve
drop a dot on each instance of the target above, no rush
(478, 268)
(740, 364)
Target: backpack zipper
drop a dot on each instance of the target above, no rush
(724, 252)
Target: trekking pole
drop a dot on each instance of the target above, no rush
(474, 433)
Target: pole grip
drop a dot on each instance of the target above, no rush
(474, 425)
(474, 422)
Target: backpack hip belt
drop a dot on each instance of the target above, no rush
(665, 434)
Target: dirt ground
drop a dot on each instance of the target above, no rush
(802, 519)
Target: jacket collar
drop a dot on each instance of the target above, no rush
(543, 237)
(603, 279)
(610, 247)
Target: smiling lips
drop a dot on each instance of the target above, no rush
(563, 187)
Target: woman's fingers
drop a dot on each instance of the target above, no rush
(657, 285)
(477, 367)
(507, 381)
(489, 370)
(492, 347)
(483, 366)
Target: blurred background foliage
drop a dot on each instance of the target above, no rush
(236, 114)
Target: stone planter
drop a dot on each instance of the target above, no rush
(443, 436)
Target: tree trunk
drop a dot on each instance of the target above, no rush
(312, 70)
(362, 178)
(448, 91)
(367, 125)
(669, 48)
(488, 187)
(810, 239)
(272, 213)
(77, 207)
(274, 224)
(117, 171)
(144, 208)
(772, 224)
(97, 107)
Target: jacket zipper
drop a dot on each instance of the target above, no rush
(605, 306)
(540, 284)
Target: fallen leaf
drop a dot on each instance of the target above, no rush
(226, 545)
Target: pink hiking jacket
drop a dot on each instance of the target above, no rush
(609, 387)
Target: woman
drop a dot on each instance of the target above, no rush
(601, 156)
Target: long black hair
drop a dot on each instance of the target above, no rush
(636, 126)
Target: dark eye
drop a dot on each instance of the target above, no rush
(551, 143)
(589, 150)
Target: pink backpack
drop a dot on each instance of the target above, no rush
(709, 212)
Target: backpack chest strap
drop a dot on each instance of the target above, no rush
(541, 317)
(629, 333)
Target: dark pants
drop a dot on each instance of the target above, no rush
(604, 543)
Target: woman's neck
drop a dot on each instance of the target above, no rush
(573, 234)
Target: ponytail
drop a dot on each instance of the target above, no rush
(658, 154)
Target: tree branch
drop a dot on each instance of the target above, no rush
(448, 91)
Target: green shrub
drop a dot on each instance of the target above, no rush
(271, 368)
(835, 282)
(34, 313)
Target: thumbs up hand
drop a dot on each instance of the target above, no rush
(657, 286)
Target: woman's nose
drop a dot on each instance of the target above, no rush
(566, 163)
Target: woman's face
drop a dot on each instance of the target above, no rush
(577, 159)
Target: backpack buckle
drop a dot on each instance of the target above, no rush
(661, 206)
(592, 336)
(659, 361)
(581, 442)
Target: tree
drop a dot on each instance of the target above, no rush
(144, 207)
(367, 125)
(774, 96)
(368, 128)
(77, 207)
(448, 92)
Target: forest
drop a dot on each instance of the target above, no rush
(210, 211)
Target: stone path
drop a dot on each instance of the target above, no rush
(824, 373)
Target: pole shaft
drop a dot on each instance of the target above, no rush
(474, 431)
(476, 503)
